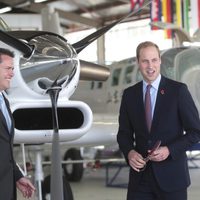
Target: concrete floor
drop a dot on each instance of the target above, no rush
(93, 185)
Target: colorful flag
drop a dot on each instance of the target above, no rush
(167, 14)
(195, 14)
(179, 13)
(135, 4)
(186, 15)
(155, 12)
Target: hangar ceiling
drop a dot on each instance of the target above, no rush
(77, 15)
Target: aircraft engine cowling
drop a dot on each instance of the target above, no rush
(33, 121)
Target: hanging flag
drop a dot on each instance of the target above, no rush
(186, 15)
(155, 12)
(179, 13)
(135, 4)
(167, 14)
(141, 2)
(195, 14)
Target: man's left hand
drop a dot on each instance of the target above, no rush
(160, 154)
(26, 187)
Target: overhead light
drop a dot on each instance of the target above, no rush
(39, 1)
(5, 9)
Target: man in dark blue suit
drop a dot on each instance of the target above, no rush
(10, 175)
(174, 121)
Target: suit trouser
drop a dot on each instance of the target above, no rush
(149, 189)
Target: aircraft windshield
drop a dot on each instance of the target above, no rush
(168, 65)
(187, 60)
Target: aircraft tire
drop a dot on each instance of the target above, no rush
(67, 191)
(75, 174)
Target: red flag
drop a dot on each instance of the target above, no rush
(199, 13)
(155, 12)
(167, 14)
(141, 2)
(169, 17)
(135, 4)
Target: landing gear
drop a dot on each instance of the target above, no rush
(67, 192)
(74, 171)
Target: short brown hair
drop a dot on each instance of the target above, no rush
(144, 45)
(6, 52)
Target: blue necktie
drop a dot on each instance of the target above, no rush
(5, 112)
(148, 109)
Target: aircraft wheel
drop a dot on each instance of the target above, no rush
(73, 172)
(67, 191)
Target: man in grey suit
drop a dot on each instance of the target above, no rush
(173, 120)
(10, 175)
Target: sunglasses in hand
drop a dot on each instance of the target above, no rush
(155, 147)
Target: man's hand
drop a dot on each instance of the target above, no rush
(26, 187)
(136, 161)
(160, 154)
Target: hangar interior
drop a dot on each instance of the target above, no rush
(83, 17)
(75, 19)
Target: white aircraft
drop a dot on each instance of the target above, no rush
(47, 72)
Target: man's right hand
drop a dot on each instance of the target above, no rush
(136, 161)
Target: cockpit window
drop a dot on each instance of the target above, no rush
(167, 62)
(138, 76)
(187, 59)
(116, 77)
(100, 85)
(128, 74)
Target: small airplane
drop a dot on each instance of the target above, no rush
(47, 73)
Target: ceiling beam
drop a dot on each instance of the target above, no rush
(100, 7)
(79, 19)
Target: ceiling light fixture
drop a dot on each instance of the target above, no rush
(39, 1)
(5, 9)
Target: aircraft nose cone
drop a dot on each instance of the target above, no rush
(53, 60)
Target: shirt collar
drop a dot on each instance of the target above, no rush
(154, 84)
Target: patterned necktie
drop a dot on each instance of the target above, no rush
(5, 112)
(148, 109)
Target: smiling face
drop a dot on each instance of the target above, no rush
(6, 71)
(149, 63)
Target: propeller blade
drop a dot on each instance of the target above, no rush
(80, 45)
(56, 166)
(26, 49)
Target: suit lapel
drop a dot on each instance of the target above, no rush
(10, 114)
(140, 105)
(159, 102)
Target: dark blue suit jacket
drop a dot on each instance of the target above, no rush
(9, 172)
(175, 122)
